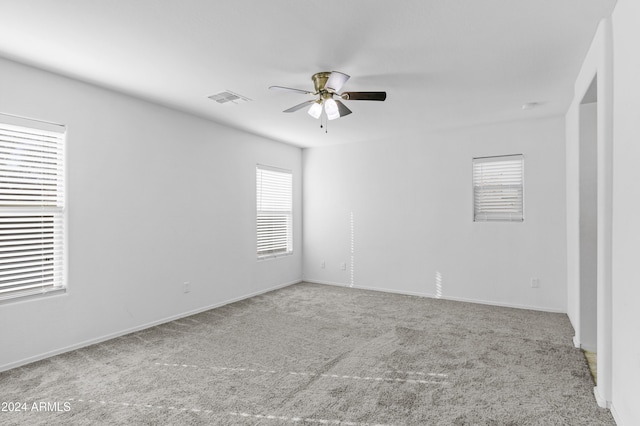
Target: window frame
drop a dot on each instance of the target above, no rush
(282, 206)
(30, 151)
(481, 215)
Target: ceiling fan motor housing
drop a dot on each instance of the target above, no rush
(319, 80)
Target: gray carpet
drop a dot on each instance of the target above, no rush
(312, 354)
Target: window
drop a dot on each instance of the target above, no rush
(498, 189)
(31, 211)
(274, 212)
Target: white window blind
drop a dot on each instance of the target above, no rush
(274, 211)
(498, 190)
(31, 211)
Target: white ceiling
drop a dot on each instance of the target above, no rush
(443, 63)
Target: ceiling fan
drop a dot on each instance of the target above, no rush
(328, 84)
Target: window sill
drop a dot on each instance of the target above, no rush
(273, 256)
(39, 294)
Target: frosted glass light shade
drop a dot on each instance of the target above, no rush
(315, 110)
(331, 108)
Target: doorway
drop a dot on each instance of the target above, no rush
(588, 166)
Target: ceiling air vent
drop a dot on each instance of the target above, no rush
(228, 96)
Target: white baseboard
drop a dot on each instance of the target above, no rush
(602, 403)
(110, 336)
(505, 305)
(576, 342)
(616, 416)
(312, 281)
(433, 296)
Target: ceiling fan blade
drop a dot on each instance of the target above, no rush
(299, 106)
(335, 81)
(364, 96)
(342, 109)
(290, 89)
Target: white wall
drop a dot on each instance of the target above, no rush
(155, 198)
(411, 203)
(626, 204)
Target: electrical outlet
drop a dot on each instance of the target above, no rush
(343, 266)
(323, 265)
(186, 287)
(535, 282)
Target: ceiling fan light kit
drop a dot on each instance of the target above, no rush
(331, 108)
(316, 109)
(326, 85)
